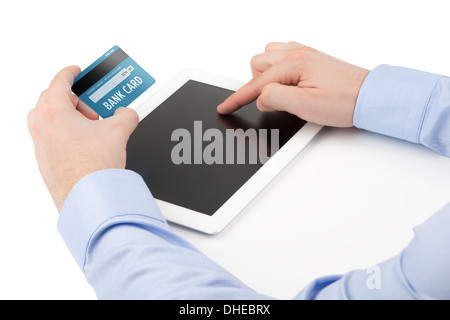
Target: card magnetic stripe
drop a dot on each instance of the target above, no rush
(97, 73)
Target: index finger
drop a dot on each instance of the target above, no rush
(281, 73)
(63, 80)
(246, 94)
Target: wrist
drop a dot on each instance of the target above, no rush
(360, 77)
(68, 178)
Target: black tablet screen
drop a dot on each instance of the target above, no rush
(185, 163)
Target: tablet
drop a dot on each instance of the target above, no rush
(202, 167)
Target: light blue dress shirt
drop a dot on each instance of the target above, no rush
(126, 249)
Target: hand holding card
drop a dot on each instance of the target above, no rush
(65, 149)
(112, 81)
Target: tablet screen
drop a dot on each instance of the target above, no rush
(186, 164)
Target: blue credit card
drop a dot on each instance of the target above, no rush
(112, 81)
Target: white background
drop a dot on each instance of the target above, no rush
(365, 192)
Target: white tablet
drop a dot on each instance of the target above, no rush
(203, 168)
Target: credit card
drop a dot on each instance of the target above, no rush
(112, 81)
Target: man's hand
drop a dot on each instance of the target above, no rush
(69, 140)
(310, 84)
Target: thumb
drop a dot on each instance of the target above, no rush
(279, 97)
(125, 121)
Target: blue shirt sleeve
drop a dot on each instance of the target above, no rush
(120, 240)
(123, 244)
(407, 104)
(419, 272)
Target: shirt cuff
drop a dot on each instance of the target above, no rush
(393, 101)
(100, 198)
(385, 281)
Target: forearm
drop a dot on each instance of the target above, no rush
(119, 238)
(406, 104)
(420, 271)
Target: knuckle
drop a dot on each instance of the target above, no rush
(47, 110)
(307, 49)
(296, 56)
(269, 46)
(259, 63)
(45, 107)
(43, 94)
(266, 93)
(299, 54)
(254, 60)
(32, 123)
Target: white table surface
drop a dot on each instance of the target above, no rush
(348, 201)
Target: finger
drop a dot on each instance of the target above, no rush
(292, 99)
(262, 62)
(274, 46)
(33, 129)
(246, 94)
(274, 53)
(295, 44)
(31, 122)
(279, 97)
(286, 72)
(125, 120)
(59, 94)
(63, 80)
(83, 108)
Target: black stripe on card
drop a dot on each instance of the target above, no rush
(98, 72)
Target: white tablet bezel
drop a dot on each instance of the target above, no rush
(230, 209)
